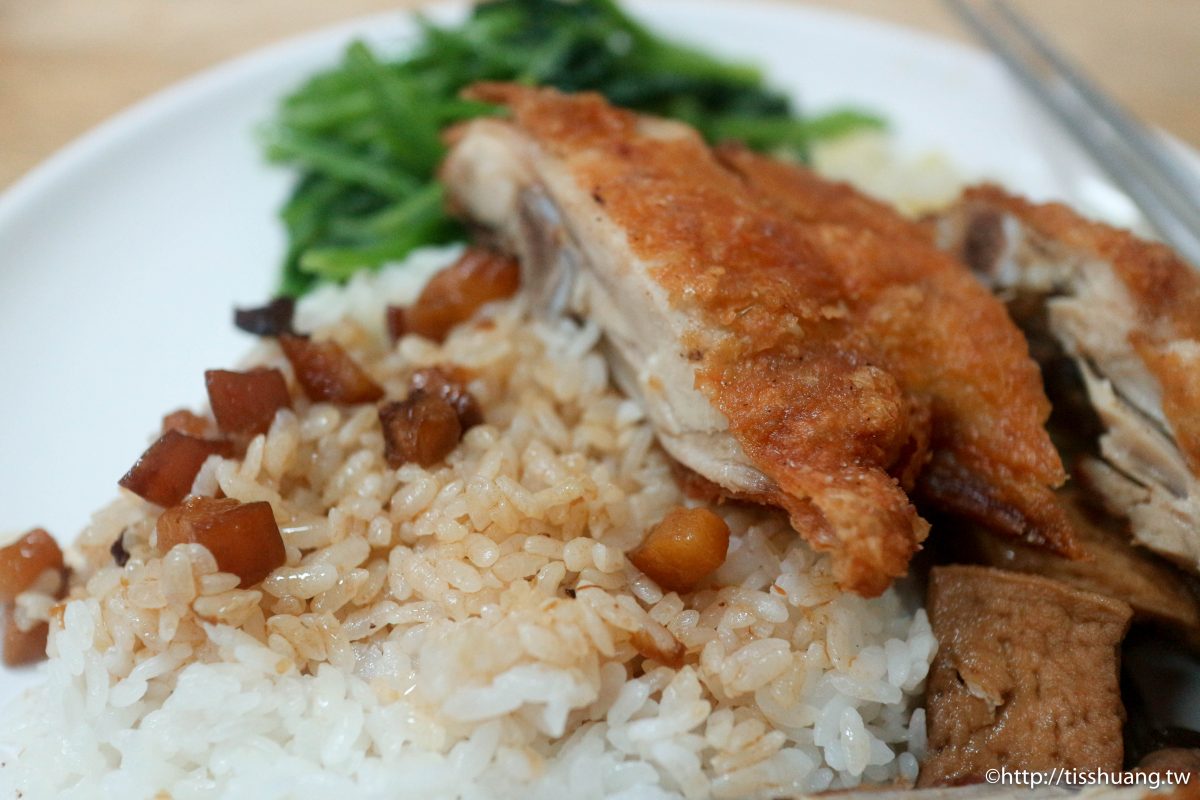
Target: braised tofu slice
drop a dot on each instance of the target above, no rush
(1026, 676)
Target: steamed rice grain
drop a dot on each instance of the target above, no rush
(465, 630)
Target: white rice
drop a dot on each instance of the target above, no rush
(420, 641)
(915, 184)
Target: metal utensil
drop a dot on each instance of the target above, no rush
(1155, 178)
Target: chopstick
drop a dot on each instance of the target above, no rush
(1162, 185)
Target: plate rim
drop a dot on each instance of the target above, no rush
(51, 173)
(213, 79)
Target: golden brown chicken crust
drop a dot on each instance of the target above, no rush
(1114, 566)
(816, 199)
(1165, 291)
(1178, 373)
(943, 335)
(776, 353)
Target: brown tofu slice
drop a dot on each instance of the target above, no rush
(1026, 676)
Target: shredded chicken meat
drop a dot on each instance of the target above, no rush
(1127, 312)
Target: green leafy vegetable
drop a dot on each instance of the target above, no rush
(365, 136)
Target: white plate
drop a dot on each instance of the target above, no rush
(122, 256)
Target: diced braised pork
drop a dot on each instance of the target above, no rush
(23, 646)
(449, 382)
(395, 320)
(326, 372)
(165, 472)
(273, 319)
(454, 294)
(245, 403)
(243, 537)
(421, 429)
(187, 422)
(117, 550)
(33, 562)
(23, 563)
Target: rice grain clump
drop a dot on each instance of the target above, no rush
(468, 630)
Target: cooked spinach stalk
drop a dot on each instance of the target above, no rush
(365, 135)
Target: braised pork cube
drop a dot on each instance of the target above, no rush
(454, 295)
(684, 549)
(273, 319)
(326, 372)
(187, 422)
(245, 403)
(25, 560)
(117, 550)
(23, 647)
(1026, 676)
(422, 429)
(22, 565)
(165, 472)
(396, 320)
(243, 537)
(450, 383)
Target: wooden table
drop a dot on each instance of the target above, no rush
(65, 65)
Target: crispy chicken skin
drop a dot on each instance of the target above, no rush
(1128, 312)
(719, 312)
(944, 336)
(1112, 566)
(814, 199)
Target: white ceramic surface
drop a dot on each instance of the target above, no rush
(122, 256)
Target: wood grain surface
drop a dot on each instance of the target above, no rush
(66, 65)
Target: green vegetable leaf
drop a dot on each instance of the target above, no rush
(365, 136)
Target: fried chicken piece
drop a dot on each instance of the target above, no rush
(943, 335)
(1127, 312)
(719, 313)
(1112, 566)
